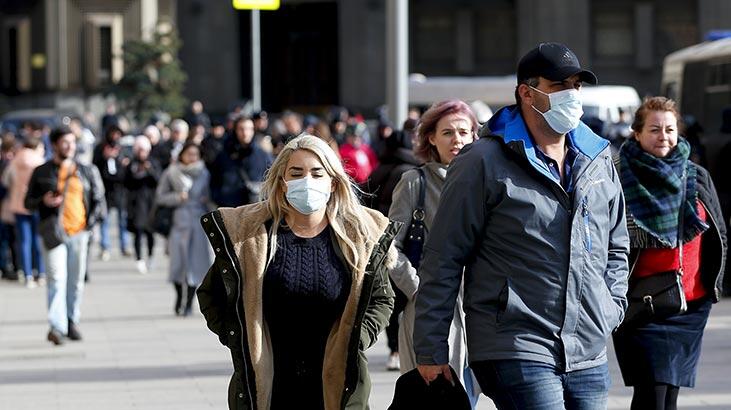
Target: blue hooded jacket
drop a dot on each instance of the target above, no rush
(544, 270)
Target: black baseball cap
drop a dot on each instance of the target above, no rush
(553, 61)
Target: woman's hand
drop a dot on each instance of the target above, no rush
(184, 196)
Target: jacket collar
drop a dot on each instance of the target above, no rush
(509, 125)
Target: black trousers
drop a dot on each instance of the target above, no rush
(138, 233)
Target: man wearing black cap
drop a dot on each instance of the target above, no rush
(533, 213)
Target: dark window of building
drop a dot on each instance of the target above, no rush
(439, 45)
(15, 57)
(613, 31)
(12, 62)
(105, 55)
(433, 40)
(676, 26)
(299, 59)
(496, 38)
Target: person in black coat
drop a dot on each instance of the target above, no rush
(140, 181)
(212, 145)
(108, 159)
(238, 171)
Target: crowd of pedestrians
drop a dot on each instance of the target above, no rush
(498, 257)
(187, 166)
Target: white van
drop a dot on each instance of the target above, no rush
(605, 101)
(484, 94)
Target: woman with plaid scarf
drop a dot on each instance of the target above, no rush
(659, 183)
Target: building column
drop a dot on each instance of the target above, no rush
(63, 45)
(52, 51)
(148, 18)
(397, 67)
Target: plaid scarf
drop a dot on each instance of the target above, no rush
(652, 191)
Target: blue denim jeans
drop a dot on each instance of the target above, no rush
(29, 244)
(105, 241)
(66, 265)
(523, 385)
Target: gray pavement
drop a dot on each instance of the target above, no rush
(137, 355)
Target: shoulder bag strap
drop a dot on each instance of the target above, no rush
(418, 213)
(244, 175)
(681, 213)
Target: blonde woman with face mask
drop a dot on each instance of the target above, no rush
(299, 287)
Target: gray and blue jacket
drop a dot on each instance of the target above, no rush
(545, 269)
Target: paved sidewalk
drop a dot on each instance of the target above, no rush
(137, 355)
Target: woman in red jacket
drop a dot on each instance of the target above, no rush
(660, 184)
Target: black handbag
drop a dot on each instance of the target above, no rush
(161, 219)
(414, 242)
(660, 295)
(656, 297)
(51, 232)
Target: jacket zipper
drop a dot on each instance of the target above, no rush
(238, 314)
(585, 214)
(360, 313)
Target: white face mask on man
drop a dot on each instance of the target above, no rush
(565, 110)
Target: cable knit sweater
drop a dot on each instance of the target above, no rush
(305, 290)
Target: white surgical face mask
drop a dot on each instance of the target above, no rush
(308, 195)
(565, 111)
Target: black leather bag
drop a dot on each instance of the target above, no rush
(414, 242)
(51, 232)
(161, 219)
(411, 392)
(655, 297)
(660, 295)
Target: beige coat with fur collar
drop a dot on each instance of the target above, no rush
(241, 241)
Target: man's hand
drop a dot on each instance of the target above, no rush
(430, 372)
(110, 151)
(52, 199)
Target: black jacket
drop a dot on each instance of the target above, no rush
(233, 165)
(140, 183)
(113, 181)
(714, 246)
(45, 179)
(383, 180)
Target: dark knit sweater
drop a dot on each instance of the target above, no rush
(305, 290)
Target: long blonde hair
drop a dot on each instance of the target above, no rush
(343, 208)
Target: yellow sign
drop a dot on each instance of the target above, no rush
(256, 4)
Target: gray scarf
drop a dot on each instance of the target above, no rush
(183, 176)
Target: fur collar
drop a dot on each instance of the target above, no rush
(245, 226)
